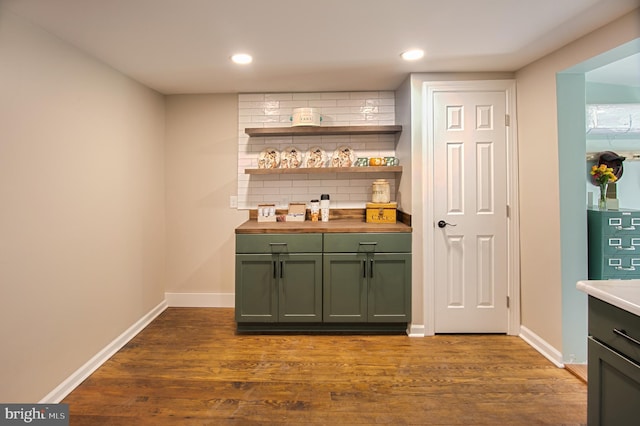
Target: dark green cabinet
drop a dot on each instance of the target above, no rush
(278, 286)
(330, 280)
(614, 244)
(300, 288)
(345, 287)
(256, 292)
(613, 365)
(363, 287)
(367, 278)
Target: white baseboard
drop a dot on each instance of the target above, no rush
(540, 345)
(200, 300)
(65, 388)
(416, 330)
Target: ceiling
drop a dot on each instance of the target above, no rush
(183, 46)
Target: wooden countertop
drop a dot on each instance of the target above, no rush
(307, 227)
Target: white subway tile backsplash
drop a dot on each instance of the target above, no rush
(386, 117)
(364, 95)
(351, 102)
(347, 190)
(306, 96)
(261, 105)
(277, 184)
(287, 106)
(326, 103)
(335, 110)
(301, 183)
(264, 119)
(334, 95)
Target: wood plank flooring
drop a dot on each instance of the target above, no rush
(579, 370)
(189, 367)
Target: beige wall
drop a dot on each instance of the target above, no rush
(539, 195)
(81, 208)
(201, 175)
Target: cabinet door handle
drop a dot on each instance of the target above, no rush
(277, 244)
(371, 268)
(630, 248)
(274, 270)
(281, 269)
(626, 228)
(364, 269)
(624, 334)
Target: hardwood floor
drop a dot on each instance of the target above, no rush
(189, 367)
(579, 370)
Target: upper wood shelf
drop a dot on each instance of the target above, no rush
(319, 130)
(301, 170)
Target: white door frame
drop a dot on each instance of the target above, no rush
(428, 218)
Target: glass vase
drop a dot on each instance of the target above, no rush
(602, 201)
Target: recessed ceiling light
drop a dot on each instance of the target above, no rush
(241, 58)
(412, 55)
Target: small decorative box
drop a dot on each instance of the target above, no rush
(297, 212)
(266, 212)
(381, 212)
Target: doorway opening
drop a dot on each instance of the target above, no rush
(571, 87)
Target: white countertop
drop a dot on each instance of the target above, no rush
(625, 294)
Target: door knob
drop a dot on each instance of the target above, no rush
(442, 224)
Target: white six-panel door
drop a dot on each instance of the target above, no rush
(470, 195)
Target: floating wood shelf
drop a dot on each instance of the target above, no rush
(320, 131)
(301, 170)
(628, 155)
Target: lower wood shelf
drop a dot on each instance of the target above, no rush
(302, 170)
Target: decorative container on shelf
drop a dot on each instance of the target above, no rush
(306, 117)
(381, 212)
(297, 212)
(380, 191)
(267, 213)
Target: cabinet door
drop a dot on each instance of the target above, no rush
(256, 295)
(389, 287)
(614, 387)
(300, 287)
(344, 287)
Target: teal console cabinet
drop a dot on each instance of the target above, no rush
(614, 244)
(367, 278)
(278, 278)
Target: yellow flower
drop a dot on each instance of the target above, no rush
(603, 174)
